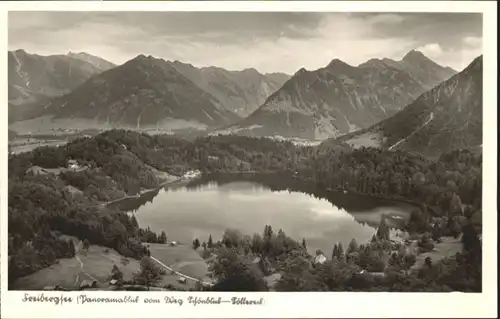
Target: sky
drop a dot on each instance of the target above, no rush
(266, 41)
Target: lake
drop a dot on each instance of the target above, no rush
(248, 203)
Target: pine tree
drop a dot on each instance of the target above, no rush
(353, 247)
(340, 251)
(335, 252)
(210, 243)
(268, 231)
(196, 243)
(86, 244)
(304, 243)
(163, 238)
(257, 244)
(135, 224)
(72, 249)
(149, 274)
(383, 229)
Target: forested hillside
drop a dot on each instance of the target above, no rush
(119, 163)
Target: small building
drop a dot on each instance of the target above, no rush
(377, 274)
(173, 243)
(320, 258)
(182, 280)
(113, 282)
(192, 174)
(73, 164)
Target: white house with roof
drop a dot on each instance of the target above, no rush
(320, 258)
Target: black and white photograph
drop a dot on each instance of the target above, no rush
(206, 151)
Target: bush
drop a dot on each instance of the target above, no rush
(425, 244)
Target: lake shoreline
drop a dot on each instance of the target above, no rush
(311, 183)
(179, 179)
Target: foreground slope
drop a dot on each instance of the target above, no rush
(446, 118)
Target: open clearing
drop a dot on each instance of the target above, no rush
(367, 139)
(95, 264)
(22, 147)
(447, 248)
(183, 259)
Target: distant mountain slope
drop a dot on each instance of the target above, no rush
(425, 71)
(33, 77)
(338, 99)
(446, 118)
(242, 92)
(98, 62)
(142, 93)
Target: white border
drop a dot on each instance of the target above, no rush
(280, 305)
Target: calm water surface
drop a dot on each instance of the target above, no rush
(185, 213)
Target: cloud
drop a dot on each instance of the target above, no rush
(335, 37)
(431, 50)
(457, 57)
(474, 42)
(269, 42)
(386, 18)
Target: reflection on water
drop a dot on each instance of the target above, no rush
(209, 207)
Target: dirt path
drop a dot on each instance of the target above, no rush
(431, 117)
(181, 274)
(77, 256)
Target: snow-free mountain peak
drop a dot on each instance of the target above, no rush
(414, 55)
(34, 77)
(443, 119)
(241, 92)
(94, 60)
(144, 92)
(339, 98)
(338, 64)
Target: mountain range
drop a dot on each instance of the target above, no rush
(341, 98)
(144, 92)
(241, 92)
(410, 104)
(33, 77)
(445, 118)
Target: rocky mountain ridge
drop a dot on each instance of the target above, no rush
(340, 98)
(443, 119)
(241, 92)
